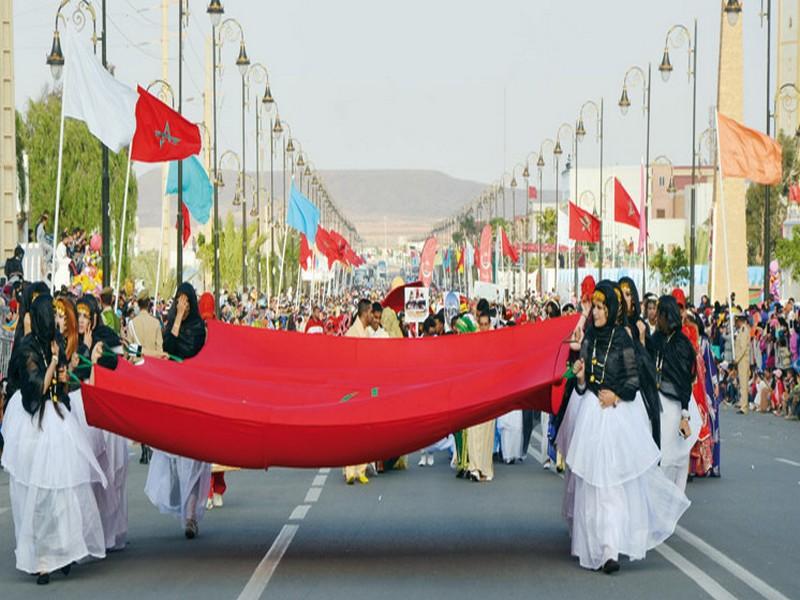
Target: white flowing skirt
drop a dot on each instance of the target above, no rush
(675, 448)
(111, 451)
(617, 500)
(51, 472)
(178, 486)
(510, 427)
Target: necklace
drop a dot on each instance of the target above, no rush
(596, 363)
(660, 362)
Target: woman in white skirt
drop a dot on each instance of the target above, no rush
(177, 485)
(617, 501)
(676, 369)
(48, 457)
(510, 427)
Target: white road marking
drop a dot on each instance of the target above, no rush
(299, 513)
(324, 471)
(730, 565)
(319, 480)
(313, 494)
(709, 585)
(788, 462)
(261, 576)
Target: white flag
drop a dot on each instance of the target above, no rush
(91, 94)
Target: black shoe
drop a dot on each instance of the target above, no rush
(460, 473)
(611, 566)
(66, 570)
(43, 579)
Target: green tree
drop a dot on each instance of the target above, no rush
(144, 266)
(787, 251)
(756, 200)
(81, 175)
(230, 253)
(659, 262)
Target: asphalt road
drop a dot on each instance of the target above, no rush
(425, 534)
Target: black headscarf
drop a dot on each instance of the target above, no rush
(636, 310)
(101, 333)
(673, 354)
(29, 294)
(192, 334)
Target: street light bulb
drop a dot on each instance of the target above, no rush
(267, 99)
(732, 10)
(624, 101)
(56, 57)
(540, 162)
(525, 172)
(557, 150)
(665, 68)
(307, 172)
(277, 128)
(289, 146)
(242, 61)
(580, 130)
(300, 161)
(215, 12)
(513, 182)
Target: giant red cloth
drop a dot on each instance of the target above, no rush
(271, 398)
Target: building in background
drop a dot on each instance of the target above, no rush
(787, 116)
(9, 235)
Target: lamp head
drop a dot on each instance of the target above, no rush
(242, 61)
(268, 99)
(580, 130)
(540, 162)
(277, 128)
(732, 10)
(56, 57)
(307, 172)
(525, 172)
(215, 12)
(557, 149)
(300, 160)
(624, 101)
(665, 68)
(290, 146)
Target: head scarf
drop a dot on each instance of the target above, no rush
(43, 324)
(64, 305)
(636, 309)
(679, 296)
(669, 309)
(187, 290)
(206, 306)
(587, 287)
(609, 294)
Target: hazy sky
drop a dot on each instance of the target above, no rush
(421, 84)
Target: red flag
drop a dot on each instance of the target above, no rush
(532, 193)
(747, 153)
(162, 134)
(583, 225)
(187, 226)
(625, 210)
(485, 255)
(642, 210)
(426, 261)
(305, 252)
(340, 244)
(794, 192)
(327, 246)
(508, 249)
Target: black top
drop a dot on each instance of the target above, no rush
(610, 361)
(676, 366)
(108, 337)
(192, 334)
(26, 371)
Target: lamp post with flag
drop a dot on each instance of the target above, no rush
(632, 76)
(55, 60)
(557, 151)
(540, 163)
(676, 36)
(580, 133)
(238, 192)
(215, 12)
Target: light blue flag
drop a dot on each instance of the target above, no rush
(197, 190)
(302, 215)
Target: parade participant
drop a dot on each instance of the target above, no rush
(509, 426)
(616, 501)
(176, 485)
(62, 277)
(391, 323)
(13, 267)
(49, 460)
(638, 330)
(359, 329)
(480, 438)
(464, 324)
(701, 454)
(30, 292)
(676, 370)
(377, 330)
(314, 324)
(108, 314)
(111, 449)
(741, 347)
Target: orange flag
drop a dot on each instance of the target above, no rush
(748, 153)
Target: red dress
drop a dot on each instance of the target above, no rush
(702, 454)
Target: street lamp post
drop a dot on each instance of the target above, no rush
(558, 152)
(767, 187)
(665, 68)
(179, 247)
(215, 12)
(624, 104)
(255, 73)
(580, 133)
(540, 165)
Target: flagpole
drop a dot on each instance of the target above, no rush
(283, 257)
(58, 185)
(729, 301)
(160, 258)
(122, 228)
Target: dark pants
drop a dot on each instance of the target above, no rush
(528, 421)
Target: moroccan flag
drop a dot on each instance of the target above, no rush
(508, 249)
(426, 261)
(485, 255)
(532, 193)
(583, 225)
(625, 210)
(162, 134)
(305, 252)
(187, 226)
(327, 246)
(748, 153)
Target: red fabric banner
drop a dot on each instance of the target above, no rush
(625, 210)
(305, 252)
(532, 193)
(162, 134)
(187, 225)
(484, 262)
(508, 249)
(274, 398)
(426, 261)
(583, 225)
